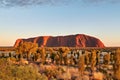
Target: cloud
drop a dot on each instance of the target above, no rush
(13, 3)
(101, 1)
(10, 3)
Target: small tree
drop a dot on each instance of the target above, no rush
(63, 54)
(81, 65)
(3, 55)
(98, 58)
(116, 65)
(52, 54)
(87, 61)
(72, 59)
(10, 54)
(65, 57)
(107, 59)
(26, 48)
(93, 60)
(43, 54)
(19, 51)
(112, 57)
(36, 56)
(57, 58)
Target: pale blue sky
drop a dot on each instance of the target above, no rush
(98, 20)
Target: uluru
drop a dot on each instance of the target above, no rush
(77, 40)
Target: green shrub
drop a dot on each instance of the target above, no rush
(14, 72)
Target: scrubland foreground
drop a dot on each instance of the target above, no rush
(28, 62)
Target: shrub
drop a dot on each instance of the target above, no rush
(14, 72)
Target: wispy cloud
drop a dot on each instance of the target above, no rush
(101, 1)
(13, 3)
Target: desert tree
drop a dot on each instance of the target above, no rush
(26, 48)
(107, 59)
(93, 59)
(112, 57)
(72, 59)
(52, 54)
(116, 65)
(98, 58)
(36, 56)
(31, 48)
(42, 54)
(57, 58)
(81, 65)
(3, 55)
(61, 51)
(19, 51)
(10, 54)
(87, 58)
(63, 54)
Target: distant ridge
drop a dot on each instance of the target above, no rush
(78, 40)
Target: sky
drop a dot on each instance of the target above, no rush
(94, 18)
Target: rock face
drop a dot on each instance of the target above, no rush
(78, 40)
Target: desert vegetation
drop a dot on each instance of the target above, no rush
(11, 71)
(28, 61)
